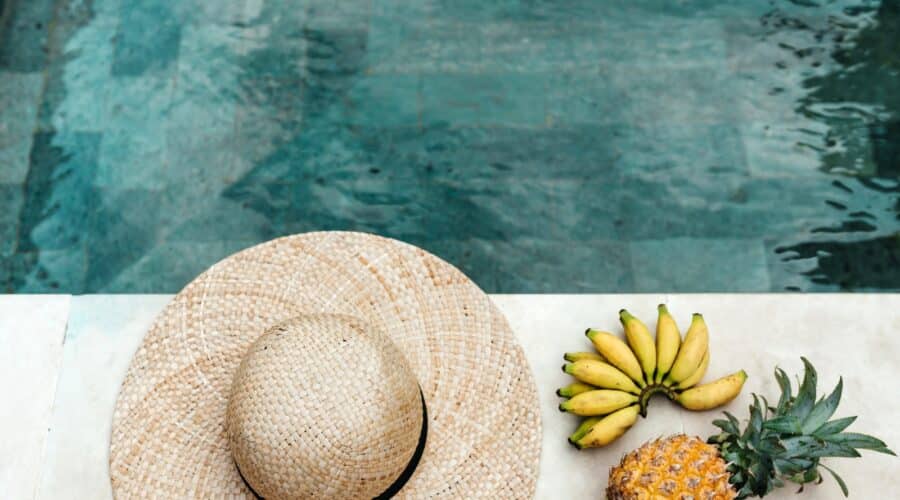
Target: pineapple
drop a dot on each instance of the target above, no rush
(676, 467)
(781, 443)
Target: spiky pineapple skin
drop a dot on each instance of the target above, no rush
(678, 467)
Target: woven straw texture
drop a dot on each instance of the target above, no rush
(169, 437)
(323, 407)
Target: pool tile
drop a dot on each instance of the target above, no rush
(531, 265)
(859, 140)
(11, 198)
(19, 96)
(169, 266)
(147, 40)
(222, 13)
(106, 9)
(679, 148)
(52, 271)
(775, 149)
(699, 265)
(58, 194)
(523, 47)
(442, 46)
(199, 169)
(671, 186)
(202, 106)
(798, 205)
(128, 160)
(885, 139)
(124, 227)
(352, 15)
(140, 100)
(224, 217)
(208, 59)
(649, 211)
(14, 162)
(278, 43)
(273, 18)
(197, 122)
(78, 84)
(472, 11)
(265, 156)
(23, 38)
(675, 94)
(583, 153)
(651, 41)
(52, 97)
(394, 28)
(7, 286)
(333, 59)
(19, 93)
(565, 267)
(804, 148)
(483, 99)
(841, 262)
(427, 46)
(269, 111)
(385, 101)
(462, 179)
(262, 60)
(790, 274)
(575, 98)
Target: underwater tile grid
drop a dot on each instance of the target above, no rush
(540, 146)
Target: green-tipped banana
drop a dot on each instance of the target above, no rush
(599, 402)
(605, 430)
(601, 375)
(584, 428)
(578, 356)
(698, 374)
(573, 389)
(668, 340)
(641, 343)
(713, 394)
(617, 353)
(696, 341)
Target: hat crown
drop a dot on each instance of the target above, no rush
(323, 406)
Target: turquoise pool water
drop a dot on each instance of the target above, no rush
(540, 146)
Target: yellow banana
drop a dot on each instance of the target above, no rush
(696, 341)
(668, 340)
(641, 343)
(605, 430)
(573, 389)
(698, 374)
(617, 354)
(599, 402)
(600, 374)
(578, 356)
(713, 394)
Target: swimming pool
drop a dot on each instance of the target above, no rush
(539, 146)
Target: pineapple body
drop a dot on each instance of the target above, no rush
(678, 467)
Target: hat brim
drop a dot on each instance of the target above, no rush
(168, 432)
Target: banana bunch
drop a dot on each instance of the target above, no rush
(614, 384)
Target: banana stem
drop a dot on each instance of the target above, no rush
(649, 391)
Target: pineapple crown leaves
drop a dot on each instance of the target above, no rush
(785, 442)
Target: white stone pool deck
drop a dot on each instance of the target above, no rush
(62, 359)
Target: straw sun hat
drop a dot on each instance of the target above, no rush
(327, 365)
